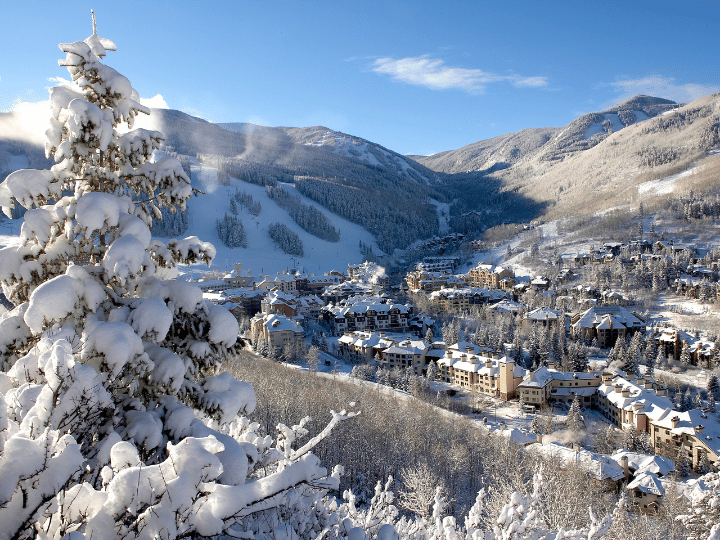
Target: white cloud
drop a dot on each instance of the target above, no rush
(157, 102)
(433, 73)
(665, 87)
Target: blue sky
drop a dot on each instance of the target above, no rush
(416, 77)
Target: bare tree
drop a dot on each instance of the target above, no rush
(420, 483)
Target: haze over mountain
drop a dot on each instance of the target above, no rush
(599, 160)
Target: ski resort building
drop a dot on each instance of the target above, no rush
(463, 299)
(367, 313)
(606, 324)
(491, 277)
(468, 366)
(276, 330)
(548, 385)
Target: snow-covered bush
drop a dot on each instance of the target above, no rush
(115, 421)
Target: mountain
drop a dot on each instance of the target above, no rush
(612, 158)
(549, 144)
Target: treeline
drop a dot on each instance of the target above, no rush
(231, 231)
(395, 222)
(286, 239)
(308, 217)
(246, 200)
(253, 173)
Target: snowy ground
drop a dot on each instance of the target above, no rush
(261, 256)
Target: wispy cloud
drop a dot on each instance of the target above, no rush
(665, 87)
(433, 73)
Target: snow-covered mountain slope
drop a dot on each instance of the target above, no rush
(341, 144)
(546, 144)
(611, 172)
(261, 256)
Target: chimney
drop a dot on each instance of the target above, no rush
(495, 356)
(539, 438)
(661, 391)
(626, 392)
(488, 363)
(448, 354)
(502, 426)
(626, 469)
(699, 428)
(618, 387)
(551, 365)
(675, 420)
(382, 334)
(469, 349)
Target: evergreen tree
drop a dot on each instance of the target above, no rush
(429, 336)
(713, 387)
(432, 371)
(661, 361)
(122, 427)
(536, 426)
(685, 354)
(682, 462)
(697, 402)
(575, 420)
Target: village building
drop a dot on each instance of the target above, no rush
(284, 281)
(425, 281)
(366, 313)
(544, 316)
(644, 477)
(459, 300)
(438, 264)
(315, 284)
(340, 292)
(363, 347)
(468, 366)
(548, 385)
(490, 276)
(236, 279)
(275, 330)
(606, 324)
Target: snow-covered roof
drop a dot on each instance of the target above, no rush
(599, 466)
(608, 316)
(479, 363)
(278, 323)
(640, 463)
(705, 428)
(506, 306)
(539, 378)
(543, 314)
(648, 482)
(650, 403)
(542, 376)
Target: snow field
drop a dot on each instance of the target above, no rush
(261, 256)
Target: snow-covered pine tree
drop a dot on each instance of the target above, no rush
(713, 387)
(116, 422)
(575, 422)
(685, 359)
